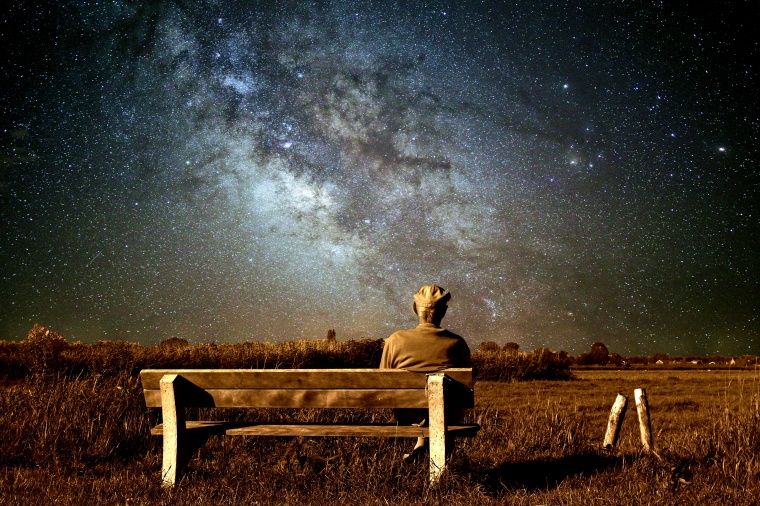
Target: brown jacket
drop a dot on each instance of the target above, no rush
(426, 348)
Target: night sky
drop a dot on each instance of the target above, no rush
(265, 171)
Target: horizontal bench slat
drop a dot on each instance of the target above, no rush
(293, 398)
(300, 378)
(249, 429)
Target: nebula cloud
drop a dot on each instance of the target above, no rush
(268, 171)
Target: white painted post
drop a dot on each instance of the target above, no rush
(645, 424)
(617, 415)
(174, 432)
(437, 425)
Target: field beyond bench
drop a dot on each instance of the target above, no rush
(172, 390)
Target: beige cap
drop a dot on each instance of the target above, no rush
(430, 296)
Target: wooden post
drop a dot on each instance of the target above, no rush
(437, 425)
(645, 425)
(174, 432)
(617, 414)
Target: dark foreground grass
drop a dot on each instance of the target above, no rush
(84, 438)
(86, 441)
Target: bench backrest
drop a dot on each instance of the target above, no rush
(306, 388)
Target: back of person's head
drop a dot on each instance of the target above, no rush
(431, 296)
(430, 302)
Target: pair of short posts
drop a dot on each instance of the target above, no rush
(617, 414)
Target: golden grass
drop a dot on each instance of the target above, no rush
(79, 434)
(75, 441)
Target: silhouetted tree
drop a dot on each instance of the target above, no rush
(511, 348)
(543, 353)
(331, 335)
(488, 347)
(615, 359)
(599, 353)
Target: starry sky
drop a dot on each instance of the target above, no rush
(240, 170)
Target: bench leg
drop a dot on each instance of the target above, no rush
(437, 426)
(175, 432)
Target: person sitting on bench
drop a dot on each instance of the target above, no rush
(425, 348)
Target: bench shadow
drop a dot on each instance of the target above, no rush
(543, 474)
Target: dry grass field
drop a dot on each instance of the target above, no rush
(74, 435)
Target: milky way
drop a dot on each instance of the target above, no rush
(270, 170)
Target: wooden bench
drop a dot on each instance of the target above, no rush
(172, 390)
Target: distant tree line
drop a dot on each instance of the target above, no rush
(45, 352)
(599, 355)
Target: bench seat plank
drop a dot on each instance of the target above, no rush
(293, 398)
(300, 378)
(307, 429)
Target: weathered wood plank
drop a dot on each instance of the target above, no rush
(293, 398)
(437, 415)
(645, 423)
(617, 415)
(301, 378)
(174, 436)
(253, 429)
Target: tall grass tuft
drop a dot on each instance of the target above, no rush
(501, 365)
(58, 421)
(735, 443)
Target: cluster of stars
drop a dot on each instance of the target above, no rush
(571, 173)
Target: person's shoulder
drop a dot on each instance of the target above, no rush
(451, 335)
(459, 342)
(399, 334)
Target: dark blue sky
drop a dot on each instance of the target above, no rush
(235, 171)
